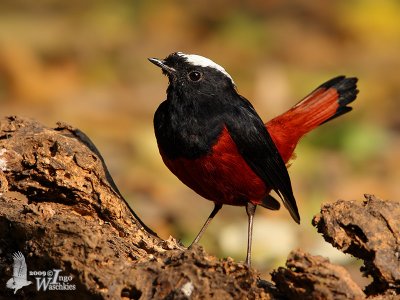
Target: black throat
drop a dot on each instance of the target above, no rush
(188, 126)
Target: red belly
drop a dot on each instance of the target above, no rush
(222, 176)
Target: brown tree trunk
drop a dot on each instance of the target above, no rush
(60, 207)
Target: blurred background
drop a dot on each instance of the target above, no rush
(85, 63)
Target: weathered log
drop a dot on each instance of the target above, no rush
(369, 230)
(60, 207)
(314, 277)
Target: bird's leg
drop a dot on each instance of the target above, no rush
(217, 207)
(250, 210)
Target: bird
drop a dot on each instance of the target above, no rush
(213, 140)
(20, 272)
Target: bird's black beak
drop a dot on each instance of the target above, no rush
(161, 63)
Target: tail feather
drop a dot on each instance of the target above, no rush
(270, 203)
(347, 90)
(329, 101)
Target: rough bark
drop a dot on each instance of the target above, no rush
(314, 277)
(60, 207)
(369, 230)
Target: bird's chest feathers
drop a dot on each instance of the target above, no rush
(186, 131)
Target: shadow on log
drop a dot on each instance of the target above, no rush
(62, 210)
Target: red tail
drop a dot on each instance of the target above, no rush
(327, 102)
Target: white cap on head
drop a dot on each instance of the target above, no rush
(202, 61)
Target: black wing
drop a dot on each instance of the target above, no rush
(259, 151)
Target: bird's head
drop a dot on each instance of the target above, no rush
(194, 74)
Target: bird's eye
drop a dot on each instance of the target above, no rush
(195, 76)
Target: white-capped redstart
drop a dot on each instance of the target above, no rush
(214, 141)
